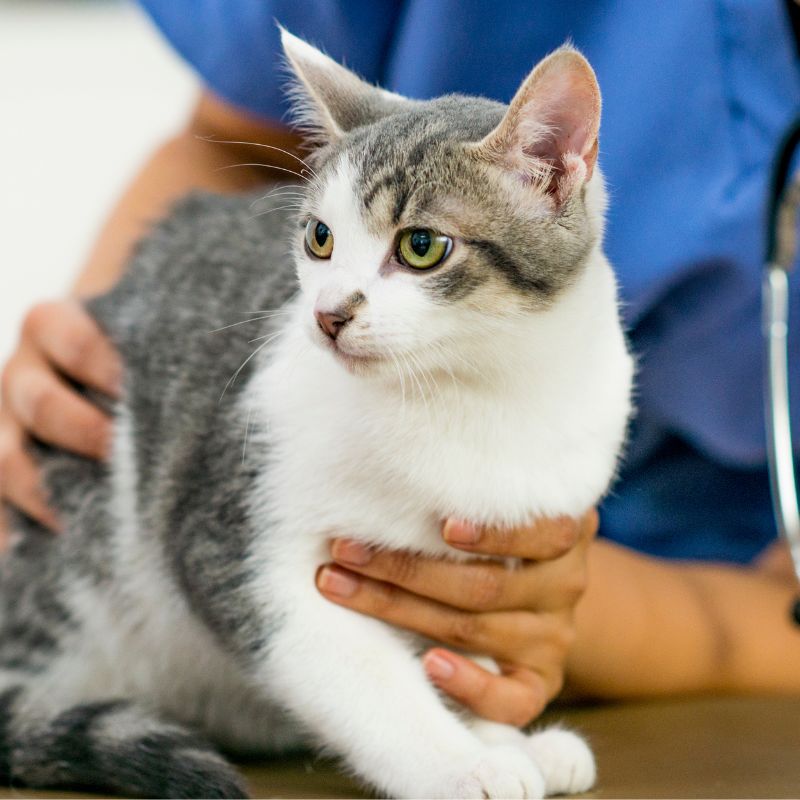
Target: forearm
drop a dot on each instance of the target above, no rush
(647, 627)
(196, 158)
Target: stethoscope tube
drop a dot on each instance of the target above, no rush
(784, 203)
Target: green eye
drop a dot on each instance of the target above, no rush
(319, 239)
(421, 248)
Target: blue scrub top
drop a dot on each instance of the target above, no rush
(696, 94)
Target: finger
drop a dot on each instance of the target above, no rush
(474, 585)
(551, 586)
(20, 485)
(544, 540)
(56, 414)
(471, 586)
(497, 634)
(515, 698)
(72, 340)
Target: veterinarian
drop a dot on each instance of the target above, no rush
(685, 589)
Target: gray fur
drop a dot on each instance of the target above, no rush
(113, 746)
(199, 270)
(213, 260)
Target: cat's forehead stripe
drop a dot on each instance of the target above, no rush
(411, 168)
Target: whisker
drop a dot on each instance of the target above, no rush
(246, 429)
(259, 338)
(284, 188)
(299, 199)
(298, 355)
(266, 166)
(245, 363)
(282, 191)
(267, 146)
(430, 381)
(439, 348)
(272, 211)
(415, 358)
(279, 310)
(271, 311)
(413, 375)
(252, 319)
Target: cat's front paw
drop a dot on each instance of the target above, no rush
(565, 760)
(496, 772)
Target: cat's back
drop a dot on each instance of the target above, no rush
(182, 320)
(199, 297)
(174, 317)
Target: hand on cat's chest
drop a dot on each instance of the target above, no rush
(521, 617)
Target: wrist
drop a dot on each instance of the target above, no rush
(644, 627)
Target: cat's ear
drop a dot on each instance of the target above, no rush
(329, 100)
(549, 133)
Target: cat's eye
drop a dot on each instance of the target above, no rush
(421, 248)
(319, 239)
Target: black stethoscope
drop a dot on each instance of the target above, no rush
(784, 203)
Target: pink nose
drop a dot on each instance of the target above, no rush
(332, 322)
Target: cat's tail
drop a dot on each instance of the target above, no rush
(110, 746)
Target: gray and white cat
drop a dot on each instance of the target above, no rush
(453, 349)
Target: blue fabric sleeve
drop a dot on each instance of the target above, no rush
(235, 46)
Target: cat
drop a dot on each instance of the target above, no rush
(445, 341)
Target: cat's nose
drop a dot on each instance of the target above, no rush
(332, 322)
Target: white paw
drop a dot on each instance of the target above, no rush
(565, 760)
(496, 772)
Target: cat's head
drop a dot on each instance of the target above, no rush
(430, 230)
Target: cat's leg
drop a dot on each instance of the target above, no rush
(242, 721)
(563, 757)
(110, 745)
(360, 689)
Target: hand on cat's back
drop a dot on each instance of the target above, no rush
(521, 617)
(60, 345)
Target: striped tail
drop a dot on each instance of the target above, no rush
(111, 746)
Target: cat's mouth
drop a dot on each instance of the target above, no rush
(353, 362)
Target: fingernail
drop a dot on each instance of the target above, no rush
(438, 667)
(458, 532)
(346, 551)
(338, 582)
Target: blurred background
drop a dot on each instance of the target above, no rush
(87, 89)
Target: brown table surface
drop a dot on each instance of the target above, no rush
(705, 747)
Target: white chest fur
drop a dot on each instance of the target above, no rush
(538, 434)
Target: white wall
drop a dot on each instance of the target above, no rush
(87, 89)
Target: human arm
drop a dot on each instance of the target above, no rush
(648, 626)
(643, 627)
(205, 154)
(59, 340)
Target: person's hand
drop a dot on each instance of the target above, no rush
(521, 617)
(59, 340)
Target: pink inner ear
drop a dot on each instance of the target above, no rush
(564, 107)
(553, 121)
(548, 136)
